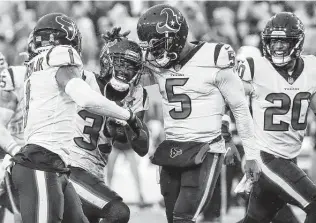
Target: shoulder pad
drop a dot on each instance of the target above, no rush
(62, 56)
(224, 56)
(245, 67)
(216, 55)
(7, 80)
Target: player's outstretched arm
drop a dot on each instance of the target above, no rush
(68, 79)
(8, 103)
(232, 90)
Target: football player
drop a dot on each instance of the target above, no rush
(52, 90)
(11, 120)
(195, 79)
(121, 64)
(282, 87)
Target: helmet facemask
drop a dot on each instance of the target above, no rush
(46, 38)
(161, 52)
(120, 71)
(282, 50)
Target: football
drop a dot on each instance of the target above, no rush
(116, 130)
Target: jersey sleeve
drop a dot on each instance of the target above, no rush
(141, 101)
(62, 56)
(7, 80)
(245, 68)
(224, 56)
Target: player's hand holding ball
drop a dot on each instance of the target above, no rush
(116, 129)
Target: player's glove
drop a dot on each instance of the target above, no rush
(4, 167)
(115, 34)
(116, 130)
(135, 124)
(244, 187)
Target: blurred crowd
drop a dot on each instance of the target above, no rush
(237, 23)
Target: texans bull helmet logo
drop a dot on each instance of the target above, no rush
(68, 26)
(175, 152)
(172, 24)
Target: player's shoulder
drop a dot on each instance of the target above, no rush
(12, 77)
(248, 62)
(55, 56)
(63, 55)
(311, 59)
(219, 55)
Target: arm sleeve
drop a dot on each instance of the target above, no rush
(232, 90)
(89, 99)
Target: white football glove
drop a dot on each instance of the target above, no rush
(244, 186)
(4, 166)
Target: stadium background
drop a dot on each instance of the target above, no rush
(234, 22)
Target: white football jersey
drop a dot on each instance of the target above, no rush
(49, 112)
(12, 80)
(89, 133)
(279, 103)
(193, 105)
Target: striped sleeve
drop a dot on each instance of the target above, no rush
(246, 68)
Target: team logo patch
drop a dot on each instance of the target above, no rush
(174, 152)
(172, 23)
(68, 26)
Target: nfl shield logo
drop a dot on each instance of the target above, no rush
(290, 80)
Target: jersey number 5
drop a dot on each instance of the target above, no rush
(299, 111)
(184, 99)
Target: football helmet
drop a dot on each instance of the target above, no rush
(163, 31)
(56, 29)
(283, 38)
(30, 47)
(121, 64)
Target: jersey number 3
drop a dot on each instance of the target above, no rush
(92, 131)
(299, 111)
(184, 99)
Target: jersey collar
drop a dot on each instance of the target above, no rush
(182, 62)
(297, 71)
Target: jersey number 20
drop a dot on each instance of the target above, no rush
(299, 111)
(184, 99)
